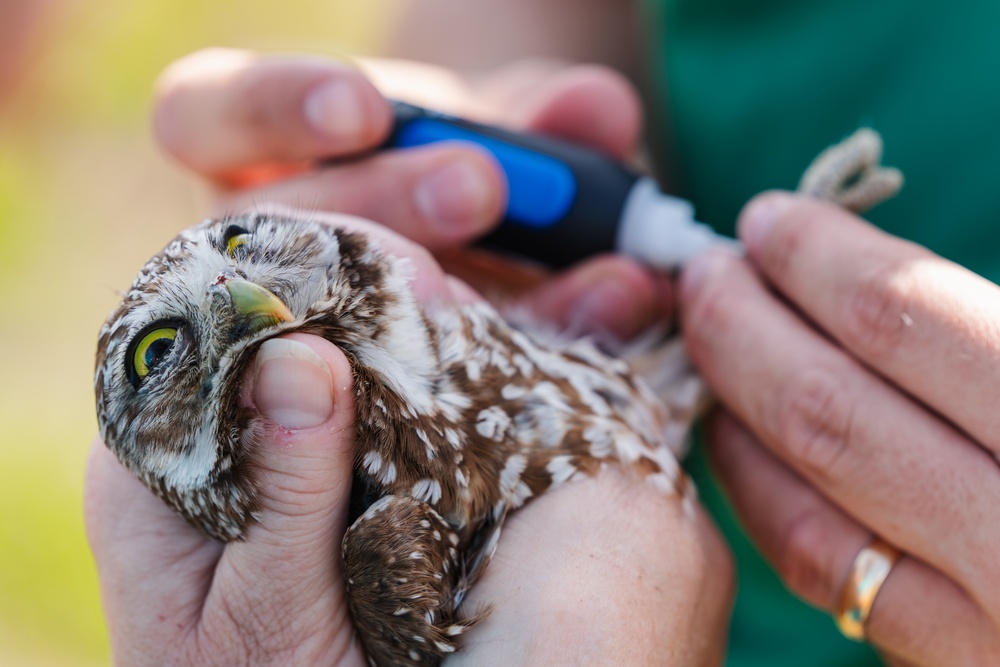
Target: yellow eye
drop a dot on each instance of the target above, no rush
(150, 350)
(235, 242)
(235, 237)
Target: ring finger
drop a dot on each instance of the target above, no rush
(919, 615)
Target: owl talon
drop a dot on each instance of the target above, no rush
(403, 577)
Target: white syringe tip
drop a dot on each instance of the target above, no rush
(660, 230)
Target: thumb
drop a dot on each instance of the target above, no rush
(286, 575)
(301, 389)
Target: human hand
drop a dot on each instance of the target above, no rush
(857, 373)
(604, 571)
(174, 596)
(254, 127)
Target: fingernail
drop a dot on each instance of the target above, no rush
(335, 109)
(293, 385)
(759, 217)
(701, 268)
(456, 195)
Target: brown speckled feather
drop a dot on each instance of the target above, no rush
(461, 418)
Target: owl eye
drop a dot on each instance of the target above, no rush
(148, 349)
(235, 236)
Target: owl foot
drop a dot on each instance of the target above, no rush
(851, 174)
(404, 584)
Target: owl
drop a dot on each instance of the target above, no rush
(462, 417)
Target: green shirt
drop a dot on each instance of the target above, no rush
(747, 92)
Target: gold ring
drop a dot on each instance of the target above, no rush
(871, 567)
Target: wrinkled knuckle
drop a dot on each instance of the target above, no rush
(814, 422)
(250, 630)
(219, 639)
(805, 559)
(878, 313)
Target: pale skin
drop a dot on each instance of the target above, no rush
(854, 369)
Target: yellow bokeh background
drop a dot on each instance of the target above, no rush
(85, 198)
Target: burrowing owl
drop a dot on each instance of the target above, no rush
(461, 417)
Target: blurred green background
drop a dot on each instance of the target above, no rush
(84, 199)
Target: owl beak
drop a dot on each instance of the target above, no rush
(258, 307)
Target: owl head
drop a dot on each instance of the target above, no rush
(172, 358)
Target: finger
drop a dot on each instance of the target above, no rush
(220, 111)
(923, 322)
(283, 584)
(884, 459)
(919, 615)
(439, 196)
(588, 104)
(154, 568)
(605, 295)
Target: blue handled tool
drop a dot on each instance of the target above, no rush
(566, 202)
